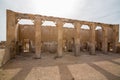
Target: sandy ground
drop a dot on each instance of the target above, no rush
(69, 67)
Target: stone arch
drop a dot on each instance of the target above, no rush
(49, 36)
(85, 27)
(98, 38)
(48, 23)
(21, 26)
(68, 25)
(85, 37)
(98, 28)
(68, 36)
(25, 21)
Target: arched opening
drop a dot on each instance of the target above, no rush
(68, 25)
(85, 38)
(85, 27)
(25, 21)
(98, 28)
(49, 37)
(24, 35)
(98, 38)
(110, 41)
(49, 23)
(68, 37)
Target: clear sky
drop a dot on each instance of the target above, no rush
(107, 11)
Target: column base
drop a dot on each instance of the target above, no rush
(76, 55)
(56, 57)
(37, 57)
(105, 52)
(92, 53)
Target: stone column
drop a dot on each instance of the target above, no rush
(38, 44)
(92, 39)
(105, 40)
(77, 39)
(11, 25)
(115, 37)
(16, 32)
(59, 25)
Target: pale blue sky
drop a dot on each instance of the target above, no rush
(107, 11)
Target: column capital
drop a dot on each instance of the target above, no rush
(77, 24)
(61, 23)
(93, 26)
(37, 20)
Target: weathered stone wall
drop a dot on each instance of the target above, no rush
(4, 57)
(2, 44)
(99, 34)
(27, 32)
(2, 53)
(58, 34)
(49, 36)
(49, 33)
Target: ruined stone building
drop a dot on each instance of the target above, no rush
(38, 38)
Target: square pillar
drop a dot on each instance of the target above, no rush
(38, 23)
(59, 25)
(115, 37)
(77, 38)
(92, 39)
(10, 36)
(105, 40)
